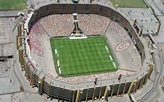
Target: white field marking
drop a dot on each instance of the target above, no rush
(83, 37)
(106, 48)
(114, 64)
(58, 62)
(110, 57)
(56, 51)
(59, 71)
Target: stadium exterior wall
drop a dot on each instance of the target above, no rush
(84, 91)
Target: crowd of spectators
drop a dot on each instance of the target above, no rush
(101, 76)
(62, 24)
(57, 25)
(93, 24)
(35, 42)
(135, 60)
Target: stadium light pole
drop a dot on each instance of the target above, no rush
(75, 1)
(116, 6)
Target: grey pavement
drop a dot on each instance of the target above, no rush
(31, 97)
(143, 91)
(6, 25)
(156, 94)
(154, 4)
(8, 81)
(161, 98)
(160, 37)
(160, 5)
(24, 97)
(124, 98)
(144, 16)
(9, 13)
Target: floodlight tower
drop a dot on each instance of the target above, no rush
(77, 32)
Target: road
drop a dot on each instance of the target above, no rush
(155, 93)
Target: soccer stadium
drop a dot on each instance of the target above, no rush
(80, 52)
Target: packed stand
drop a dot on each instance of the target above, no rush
(62, 25)
(35, 43)
(103, 76)
(93, 24)
(57, 25)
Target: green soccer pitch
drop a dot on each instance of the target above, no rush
(12, 4)
(74, 57)
(129, 3)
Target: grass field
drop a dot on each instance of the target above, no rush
(12, 4)
(129, 3)
(82, 56)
